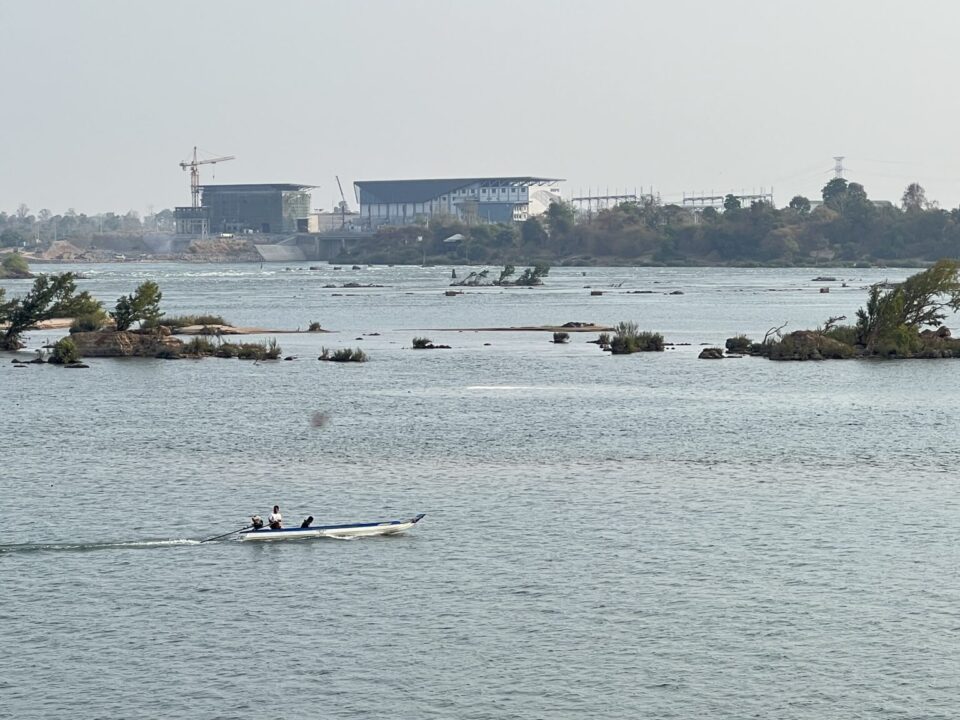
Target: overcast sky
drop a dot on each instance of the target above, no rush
(103, 98)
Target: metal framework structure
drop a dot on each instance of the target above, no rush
(195, 173)
(716, 201)
(602, 201)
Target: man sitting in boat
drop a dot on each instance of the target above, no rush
(275, 519)
(256, 522)
(306, 523)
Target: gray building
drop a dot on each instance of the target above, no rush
(503, 199)
(255, 208)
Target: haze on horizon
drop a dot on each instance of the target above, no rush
(106, 97)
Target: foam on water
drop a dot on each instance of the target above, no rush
(83, 547)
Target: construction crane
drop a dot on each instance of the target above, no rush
(195, 173)
(343, 205)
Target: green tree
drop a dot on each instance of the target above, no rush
(143, 306)
(800, 204)
(12, 237)
(914, 198)
(893, 318)
(532, 232)
(834, 192)
(560, 218)
(51, 296)
(64, 352)
(533, 276)
(14, 265)
(731, 202)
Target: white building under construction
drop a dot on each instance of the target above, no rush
(485, 200)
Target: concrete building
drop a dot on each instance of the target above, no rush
(319, 222)
(256, 208)
(485, 200)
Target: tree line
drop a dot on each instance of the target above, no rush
(843, 227)
(23, 228)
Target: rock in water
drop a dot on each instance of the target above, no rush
(110, 343)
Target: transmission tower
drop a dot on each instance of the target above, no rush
(838, 166)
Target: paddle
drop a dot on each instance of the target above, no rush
(232, 532)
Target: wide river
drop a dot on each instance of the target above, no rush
(605, 536)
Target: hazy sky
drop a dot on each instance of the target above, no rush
(103, 98)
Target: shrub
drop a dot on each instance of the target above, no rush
(421, 343)
(738, 344)
(15, 265)
(603, 339)
(561, 337)
(846, 334)
(179, 321)
(808, 345)
(628, 339)
(89, 322)
(227, 350)
(314, 327)
(200, 346)
(64, 352)
(269, 350)
(343, 355)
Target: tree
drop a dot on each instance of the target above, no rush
(893, 318)
(914, 198)
(731, 202)
(143, 306)
(64, 352)
(560, 218)
(800, 204)
(532, 232)
(51, 296)
(833, 193)
(533, 276)
(15, 266)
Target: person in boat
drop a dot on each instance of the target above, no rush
(275, 521)
(256, 522)
(306, 523)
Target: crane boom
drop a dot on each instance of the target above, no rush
(343, 205)
(195, 173)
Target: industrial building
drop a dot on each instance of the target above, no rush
(255, 208)
(486, 200)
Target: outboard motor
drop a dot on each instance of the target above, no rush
(257, 522)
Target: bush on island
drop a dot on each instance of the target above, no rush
(628, 339)
(343, 355)
(64, 352)
(738, 344)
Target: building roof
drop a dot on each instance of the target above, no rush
(257, 187)
(413, 191)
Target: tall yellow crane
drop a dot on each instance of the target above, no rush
(195, 173)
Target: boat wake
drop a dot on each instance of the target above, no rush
(86, 547)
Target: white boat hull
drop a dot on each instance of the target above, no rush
(390, 527)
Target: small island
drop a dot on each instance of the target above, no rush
(14, 267)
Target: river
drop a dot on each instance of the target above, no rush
(605, 536)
